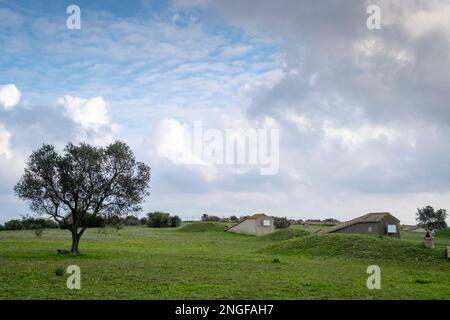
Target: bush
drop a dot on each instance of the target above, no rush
(89, 221)
(14, 224)
(38, 232)
(205, 217)
(131, 221)
(162, 220)
(281, 223)
(143, 221)
(175, 221)
(2, 227)
(59, 271)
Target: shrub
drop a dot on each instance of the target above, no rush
(143, 221)
(281, 222)
(175, 221)
(162, 220)
(88, 221)
(38, 232)
(2, 227)
(37, 223)
(59, 271)
(14, 224)
(131, 221)
(206, 217)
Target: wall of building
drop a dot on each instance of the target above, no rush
(246, 227)
(390, 220)
(254, 226)
(261, 229)
(375, 228)
(367, 228)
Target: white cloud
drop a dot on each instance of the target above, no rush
(88, 113)
(353, 137)
(236, 51)
(174, 142)
(5, 148)
(91, 116)
(9, 96)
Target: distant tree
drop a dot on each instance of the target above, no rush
(206, 217)
(430, 219)
(234, 218)
(162, 220)
(2, 227)
(130, 221)
(14, 224)
(175, 221)
(84, 179)
(158, 220)
(281, 223)
(143, 220)
(330, 220)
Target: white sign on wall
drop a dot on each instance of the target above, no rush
(266, 223)
(392, 228)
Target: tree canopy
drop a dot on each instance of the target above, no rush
(431, 219)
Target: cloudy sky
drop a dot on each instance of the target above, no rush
(363, 115)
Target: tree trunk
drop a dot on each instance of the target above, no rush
(75, 241)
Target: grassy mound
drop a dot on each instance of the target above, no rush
(285, 234)
(443, 234)
(355, 246)
(203, 227)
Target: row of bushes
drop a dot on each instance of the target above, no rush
(206, 217)
(153, 219)
(162, 220)
(28, 223)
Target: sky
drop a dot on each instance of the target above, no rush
(363, 114)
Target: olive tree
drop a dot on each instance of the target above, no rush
(83, 180)
(431, 219)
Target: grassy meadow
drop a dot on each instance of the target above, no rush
(200, 261)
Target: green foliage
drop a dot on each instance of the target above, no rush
(276, 260)
(175, 221)
(162, 220)
(131, 221)
(29, 223)
(281, 223)
(431, 219)
(14, 224)
(143, 221)
(59, 271)
(206, 217)
(203, 227)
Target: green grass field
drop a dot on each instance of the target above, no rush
(203, 262)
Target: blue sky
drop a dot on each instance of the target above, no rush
(363, 115)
